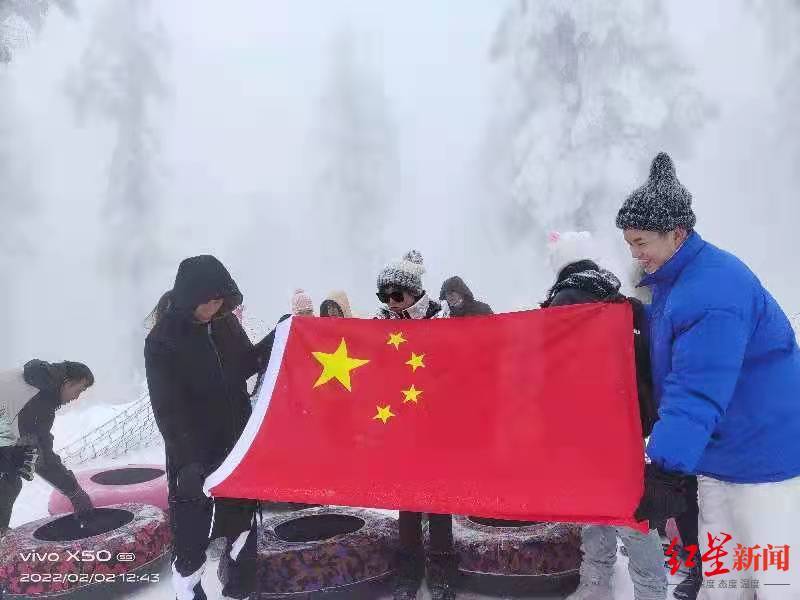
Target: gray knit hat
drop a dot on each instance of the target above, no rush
(406, 273)
(661, 204)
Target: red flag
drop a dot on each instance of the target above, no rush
(529, 415)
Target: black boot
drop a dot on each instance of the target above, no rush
(441, 576)
(689, 587)
(408, 576)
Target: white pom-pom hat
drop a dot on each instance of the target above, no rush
(406, 273)
(569, 247)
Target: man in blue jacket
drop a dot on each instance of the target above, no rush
(726, 374)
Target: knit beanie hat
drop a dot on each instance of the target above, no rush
(569, 247)
(301, 303)
(662, 204)
(406, 273)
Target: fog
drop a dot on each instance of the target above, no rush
(306, 144)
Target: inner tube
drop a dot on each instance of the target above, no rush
(140, 484)
(335, 550)
(63, 556)
(517, 557)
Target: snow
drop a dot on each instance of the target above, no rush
(623, 587)
(71, 424)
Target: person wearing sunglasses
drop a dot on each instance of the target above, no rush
(402, 295)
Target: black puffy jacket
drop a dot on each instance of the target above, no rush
(197, 372)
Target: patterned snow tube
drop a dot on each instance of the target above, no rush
(287, 506)
(141, 484)
(326, 549)
(119, 547)
(517, 557)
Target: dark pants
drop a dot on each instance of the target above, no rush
(441, 530)
(10, 487)
(411, 555)
(688, 522)
(191, 522)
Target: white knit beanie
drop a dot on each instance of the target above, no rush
(569, 247)
(301, 303)
(406, 273)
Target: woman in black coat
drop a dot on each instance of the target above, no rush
(198, 359)
(460, 299)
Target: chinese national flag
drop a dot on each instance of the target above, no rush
(530, 415)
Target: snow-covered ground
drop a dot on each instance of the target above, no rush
(622, 584)
(72, 424)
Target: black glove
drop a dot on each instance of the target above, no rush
(81, 502)
(189, 483)
(664, 495)
(20, 460)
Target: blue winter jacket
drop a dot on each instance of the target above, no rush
(726, 370)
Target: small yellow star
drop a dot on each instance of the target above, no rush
(384, 414)
(416, 361)
(337, 366)
(395, 339)
(411, 395)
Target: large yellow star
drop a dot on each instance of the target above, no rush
(411, 395)
(384, 414)
(337, 366)
(395, 339)
(416, 361)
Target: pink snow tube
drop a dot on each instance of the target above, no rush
(141, 484)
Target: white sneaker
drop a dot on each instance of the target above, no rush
(592, 590)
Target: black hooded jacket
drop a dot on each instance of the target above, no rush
(36, 420)
(470, 307)
(197, 372)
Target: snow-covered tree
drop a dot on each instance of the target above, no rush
(782, 27)
(358, 171)
(119, 81)
(589, 92)
(19, 19)
(18, 201)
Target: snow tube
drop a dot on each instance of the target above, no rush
(327, 549)
(141, 484)
(517, 557)
(287, 506)
(123, 545)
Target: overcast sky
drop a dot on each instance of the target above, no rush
(237, 131)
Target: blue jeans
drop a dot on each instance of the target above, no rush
(646, 559)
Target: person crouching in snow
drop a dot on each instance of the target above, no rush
(726, 373)
(198, 360)
(579, 280)
(402, 296)
(336, 305)
(302, 304)
(460, 299)
(29, 399)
